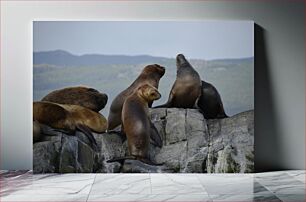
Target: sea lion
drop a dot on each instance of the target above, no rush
(37, 134)
(151, 74)
(69, 118)
(186, 88)
(210, 102)
(137, 124)
(83, 96)
(40, 131)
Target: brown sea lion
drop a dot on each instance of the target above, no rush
(137, 124)
(186, 88)
(69, 118)
(210, 102)
(83, 96)
(151, 74)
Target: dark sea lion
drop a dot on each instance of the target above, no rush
(37, 133)
(151, 74)
(83, 96)
(41, 131)
(210, 102)
(137, 124)
(69, 118)
(186, 88)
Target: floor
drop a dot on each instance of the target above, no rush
(272, 186)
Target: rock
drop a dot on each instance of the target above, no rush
(232, 144)
(82, 137)
(173, 156)
(197, 163)
(134, 166)
(175, 126)
(111, 146)
(191, 144)
(158, 117)
(45, 157)
(85, 158)
(197, 132)
(68, 155)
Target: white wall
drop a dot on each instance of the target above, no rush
(279, 67)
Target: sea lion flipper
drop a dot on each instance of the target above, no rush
(155, 136)
(54, 131)
(89, 135)
(168, 103)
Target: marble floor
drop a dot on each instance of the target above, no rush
(271, 186)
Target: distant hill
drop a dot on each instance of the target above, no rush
(234, 78)
(64, 58)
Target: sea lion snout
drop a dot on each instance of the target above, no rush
(156, 95)
(153, 94)
(159, 66)
(102, 99)
(181, 60)
(160, 69)
(154, 69)
(180, 55)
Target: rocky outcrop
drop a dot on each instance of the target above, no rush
(191, 144)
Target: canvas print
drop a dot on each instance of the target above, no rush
(143, 96)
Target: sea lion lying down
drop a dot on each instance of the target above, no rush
(68, 118)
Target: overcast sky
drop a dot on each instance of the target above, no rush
(195, 39)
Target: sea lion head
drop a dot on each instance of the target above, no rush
(181, 61)
(154, 69)
(99, 98)
(79, 95)
(149, 92)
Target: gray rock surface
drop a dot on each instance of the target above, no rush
(191, 144)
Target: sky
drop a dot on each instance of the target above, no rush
(196, 39)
